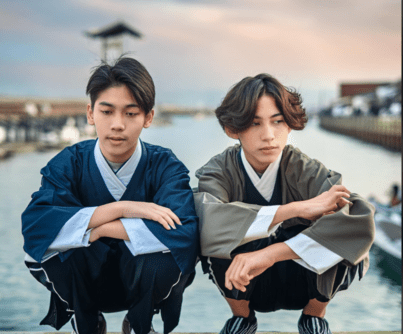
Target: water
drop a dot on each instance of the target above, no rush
(372, 304)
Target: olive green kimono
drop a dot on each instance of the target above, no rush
(225, 219)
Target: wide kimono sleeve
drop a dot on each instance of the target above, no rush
(224, 218)
(350, 231)
(169, 182)
(51, 206)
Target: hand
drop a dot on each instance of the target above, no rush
(151, 211)
(245, 267)
(326, 203)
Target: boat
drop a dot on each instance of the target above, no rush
(388, 237)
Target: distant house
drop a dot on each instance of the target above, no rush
(351, 89)
(29, 119)
(16, 108)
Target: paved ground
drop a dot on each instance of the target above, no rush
(366, 332)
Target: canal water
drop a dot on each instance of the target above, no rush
(372, 304)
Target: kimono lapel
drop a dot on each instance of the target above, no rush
(136, 190)
(265, 184)
(117, 183)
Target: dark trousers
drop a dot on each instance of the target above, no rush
(286, 285)
(106, 277)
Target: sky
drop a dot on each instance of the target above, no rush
(196, 50)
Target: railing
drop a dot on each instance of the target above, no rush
(384, 131)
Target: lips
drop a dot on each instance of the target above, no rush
(268, 148)
(116, 139)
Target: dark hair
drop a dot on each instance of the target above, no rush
(126, 71)
(238, 108)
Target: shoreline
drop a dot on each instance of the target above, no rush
(7, 150)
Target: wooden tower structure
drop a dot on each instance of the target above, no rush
(110, 36)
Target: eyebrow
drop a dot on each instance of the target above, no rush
(272, 116)
(107, 104)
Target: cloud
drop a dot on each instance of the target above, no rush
(205, 46)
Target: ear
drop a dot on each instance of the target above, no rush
(148, 119)
(90, 115)
(231, 134)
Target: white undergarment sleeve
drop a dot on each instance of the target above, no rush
(314, 256)
(74, 233)
(260, 226)
(142, 241)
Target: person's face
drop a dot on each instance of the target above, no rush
(118, 120)
(265, 139)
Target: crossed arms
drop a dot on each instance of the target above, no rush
(105, 221)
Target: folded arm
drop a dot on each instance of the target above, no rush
(246, 266)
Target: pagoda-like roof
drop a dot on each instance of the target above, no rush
(113, 30)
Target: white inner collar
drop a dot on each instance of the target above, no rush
(117, 183)
(264, 184)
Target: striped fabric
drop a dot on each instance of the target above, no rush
(313, 325)
(239, 325)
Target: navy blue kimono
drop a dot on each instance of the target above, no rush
(72, 181)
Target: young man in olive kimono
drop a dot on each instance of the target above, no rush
(278, 229)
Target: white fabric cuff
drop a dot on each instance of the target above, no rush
(260, 226)
(314, 256)
(142, 241)
(74, 233)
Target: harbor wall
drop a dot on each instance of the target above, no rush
(384, 131)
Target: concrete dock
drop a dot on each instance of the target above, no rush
(364, 332)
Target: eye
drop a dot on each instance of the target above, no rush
(255, 123)
(106, 112)
(278, 121)
(131, 114)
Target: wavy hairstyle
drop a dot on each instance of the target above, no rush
(238, 108)
(124, 72)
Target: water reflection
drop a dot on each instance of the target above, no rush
(372, 304)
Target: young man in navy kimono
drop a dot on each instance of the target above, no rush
(113, 225)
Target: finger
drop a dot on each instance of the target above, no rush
(169, 220)
(239, 286)
(229, 274)
(174, 217)
(343, 202)
(228, 283)
(171, 214)
(233, 282)
(340, 194)
(340, 187)
(241, 274)
(245, 275)
(162, 221)
(162, 218)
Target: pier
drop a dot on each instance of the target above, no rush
(384, 131)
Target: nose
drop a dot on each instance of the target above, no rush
(118, 123)
(267, 133)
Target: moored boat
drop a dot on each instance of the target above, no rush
(388, 237)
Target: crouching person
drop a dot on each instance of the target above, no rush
(278, 229)
(113, 226)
